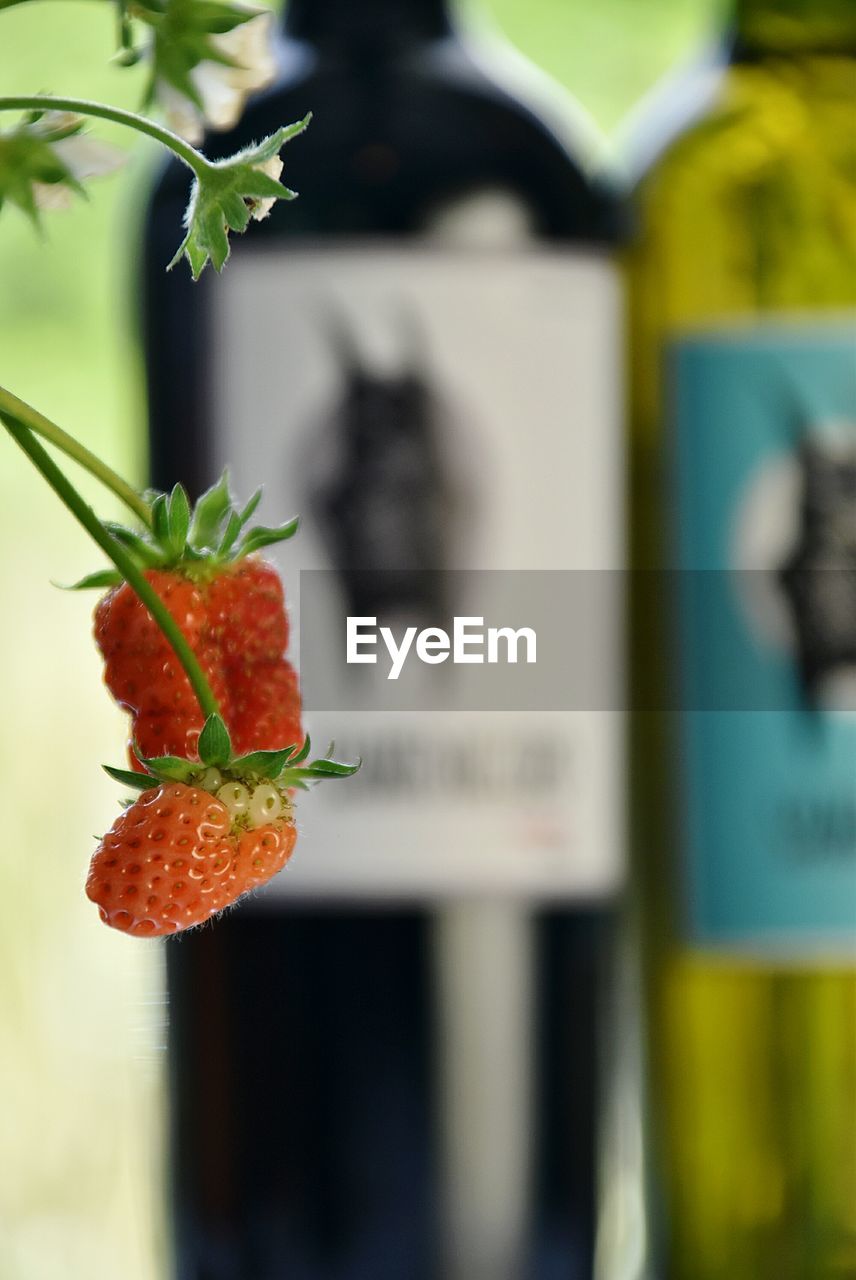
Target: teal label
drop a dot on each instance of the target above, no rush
(764, 451)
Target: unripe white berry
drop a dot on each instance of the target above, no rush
(235, 797)
(266, 805)
(211, 779)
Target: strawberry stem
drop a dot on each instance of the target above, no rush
(37, 422)
(65, 491)
(194, 159)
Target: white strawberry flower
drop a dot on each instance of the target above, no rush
(227, 194)
(45, 159)
(220, 89)
(260, 207)
(80, 154)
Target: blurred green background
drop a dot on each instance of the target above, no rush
(82, 1015)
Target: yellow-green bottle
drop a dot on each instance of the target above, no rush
(743, 293)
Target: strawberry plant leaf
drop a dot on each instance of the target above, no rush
(215, 746)
(130, 778)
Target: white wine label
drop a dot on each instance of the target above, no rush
(765, 457)
(427, 413)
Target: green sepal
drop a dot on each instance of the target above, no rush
(230, 535)
(178, 519)
(303, 752)
(147, 555)
(316, 771)
(101, 578)
(273, 144)
(180, 40)
(130, 778)
(128, 57)
(262, 537)
(28, 161)
(267, 764)
(226, 193)
(170, 768)
(215, 745)
(197, 541)
(329, 769)
(250, 508)
(272, 764)
(209, 513)
(160, 519)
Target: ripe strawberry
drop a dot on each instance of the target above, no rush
(179, 854)
(230, 607)
(141, 670)
(265, 706)
(123, 624)
(246, 612)
(160, 733)
(158, 683)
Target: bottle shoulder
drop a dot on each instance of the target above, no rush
(750, 124)
(752, 207)
(388, 143)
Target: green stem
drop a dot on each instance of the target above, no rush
(37, 422)
(81, 106)
(116, 552)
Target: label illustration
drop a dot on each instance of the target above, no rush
(764, 451)
(437, 410)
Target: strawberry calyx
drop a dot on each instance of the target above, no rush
(255, 788)
(197, 541)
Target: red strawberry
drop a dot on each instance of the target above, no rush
(261, 707)
(265, 706)
(160, 733)
(178, 855)
(229, 605)
(124, 625)
(158, 683)
(246, 612)
(141, 670)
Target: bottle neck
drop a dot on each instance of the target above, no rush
(361, 26)
(793, 27)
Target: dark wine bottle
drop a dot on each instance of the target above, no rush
(386, 1067)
